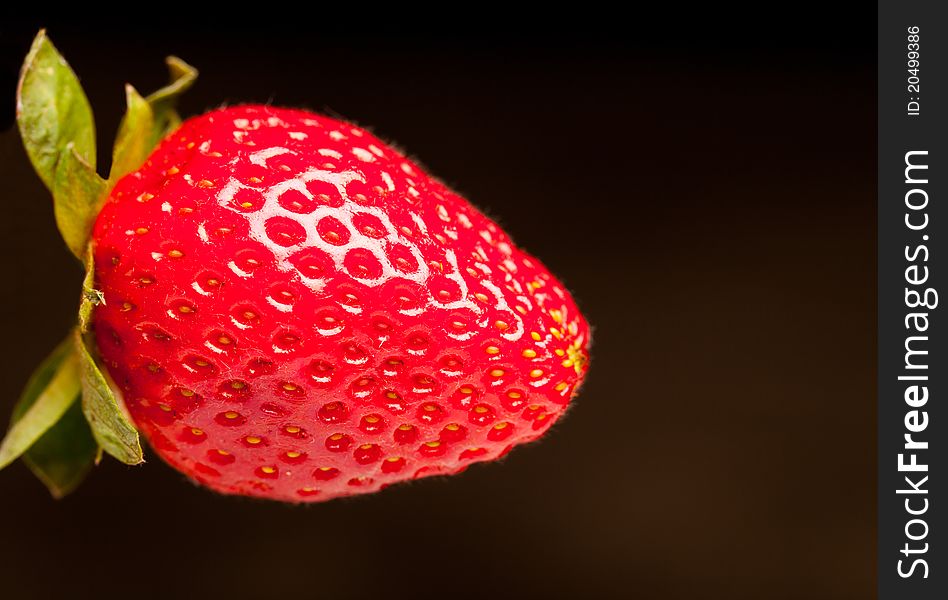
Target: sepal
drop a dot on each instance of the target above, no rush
(148, 120)
(78, 192)
(103, 410)
(47, 429)
(52, 110)
(134, 140)
(164, 101)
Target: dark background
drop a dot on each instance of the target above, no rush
(703, 183)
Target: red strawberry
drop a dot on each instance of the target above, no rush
(294, 310)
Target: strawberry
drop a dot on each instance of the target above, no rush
(289, 308)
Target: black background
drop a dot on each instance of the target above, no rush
(704, 183)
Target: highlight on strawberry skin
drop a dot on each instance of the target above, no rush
(280, 303)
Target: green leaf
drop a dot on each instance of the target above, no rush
(78, 192)
(52, 389)
(164, 100)
(52, 110)
(133, 143)
(65, 454)
(148, 120)
(111, 427)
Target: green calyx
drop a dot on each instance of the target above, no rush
(58, 131)
(70, 412)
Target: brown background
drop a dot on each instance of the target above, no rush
(707, 192)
